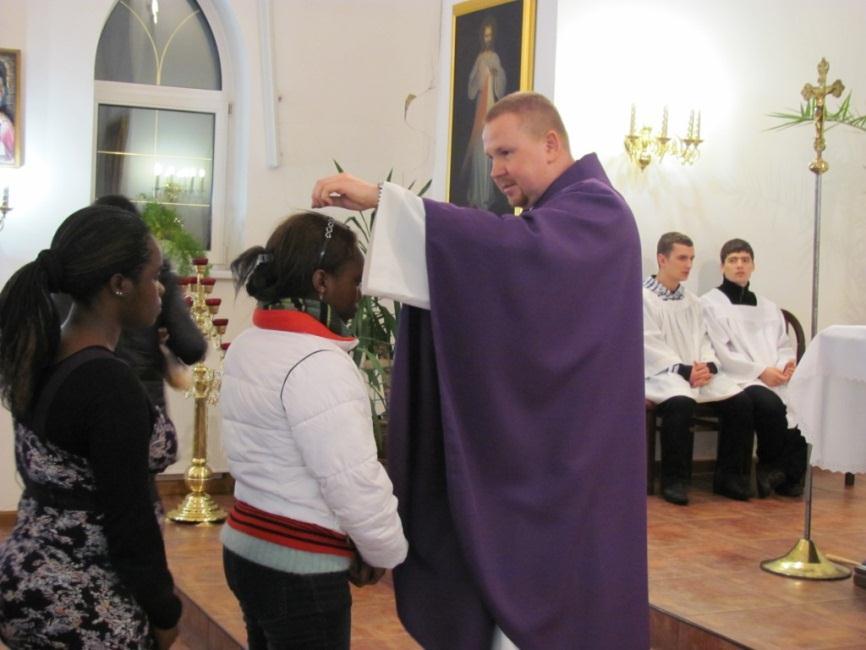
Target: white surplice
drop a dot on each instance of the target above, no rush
(675, 333)
(396, 264)
(748, 339)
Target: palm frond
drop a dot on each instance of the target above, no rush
(844, 115)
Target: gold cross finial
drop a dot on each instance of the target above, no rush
(818, 94)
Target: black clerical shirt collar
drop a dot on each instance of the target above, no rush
(736, 294)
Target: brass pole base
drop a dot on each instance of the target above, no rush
(197, 508)
(805, 561)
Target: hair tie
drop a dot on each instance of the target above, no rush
(263, 258)
(49, 261)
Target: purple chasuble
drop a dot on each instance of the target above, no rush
(516, 439)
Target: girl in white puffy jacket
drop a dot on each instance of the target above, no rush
(314, 507)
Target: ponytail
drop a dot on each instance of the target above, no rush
(29, 333)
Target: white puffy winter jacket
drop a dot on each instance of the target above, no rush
(297, 432)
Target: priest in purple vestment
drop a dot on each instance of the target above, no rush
(516, 441)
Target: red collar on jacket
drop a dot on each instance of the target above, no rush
(288, 320)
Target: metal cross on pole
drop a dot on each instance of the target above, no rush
(818, 167)
(804, 560)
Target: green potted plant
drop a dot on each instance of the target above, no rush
(176, 242)
(375, 326)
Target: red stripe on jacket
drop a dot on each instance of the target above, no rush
(288, 532)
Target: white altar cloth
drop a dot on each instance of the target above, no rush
(827, 395)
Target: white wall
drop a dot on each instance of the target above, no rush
(342, 69)
(737, 61)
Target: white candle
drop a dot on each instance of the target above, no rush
(665, 122)
(698, 130)
(632, 122)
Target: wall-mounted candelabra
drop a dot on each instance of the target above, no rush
(5, 208)
(198, 506)
(642, 146)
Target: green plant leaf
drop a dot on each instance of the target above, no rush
(843, 115)
(178, 244)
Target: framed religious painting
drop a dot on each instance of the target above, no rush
(493, 43)
(10, 108)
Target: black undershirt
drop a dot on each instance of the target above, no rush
(736, 294)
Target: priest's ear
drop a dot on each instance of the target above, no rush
(553, 144)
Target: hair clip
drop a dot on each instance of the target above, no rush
(329, 231)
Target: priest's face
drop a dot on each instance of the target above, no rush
(676, 266)
(738, 268)
(520, 160)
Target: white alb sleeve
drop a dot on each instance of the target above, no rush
(396, 265)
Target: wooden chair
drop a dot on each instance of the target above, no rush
(705, 418)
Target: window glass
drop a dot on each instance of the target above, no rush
(156, 154)
(164, 43)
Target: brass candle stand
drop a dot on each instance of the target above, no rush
(198, 506)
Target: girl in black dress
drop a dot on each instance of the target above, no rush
(85, 565)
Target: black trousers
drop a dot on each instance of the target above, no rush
(778, 446)
(288, 611)
(734, 451)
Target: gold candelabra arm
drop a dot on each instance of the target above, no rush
(642, 145)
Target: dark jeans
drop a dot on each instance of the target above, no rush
(778, 446)
(734, 451)
(285, 611)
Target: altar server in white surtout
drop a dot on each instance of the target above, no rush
(681, 369)
(750, 339)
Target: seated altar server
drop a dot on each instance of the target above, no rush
(750, 338)
(515, 443)
(681, 370)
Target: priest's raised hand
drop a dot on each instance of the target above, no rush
(345, 191)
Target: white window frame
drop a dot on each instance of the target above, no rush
(216, 102)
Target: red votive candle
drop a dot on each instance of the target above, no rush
(199, 261)
(213, 304)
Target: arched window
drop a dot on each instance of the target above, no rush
(162, 112)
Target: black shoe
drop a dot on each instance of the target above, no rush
(768, 479)
(732, 486)
(788, 489)
(675, 493)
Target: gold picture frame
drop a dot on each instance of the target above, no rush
(11, 130)
(492, 54)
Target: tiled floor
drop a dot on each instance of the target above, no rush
(707, 590)
(704, 568)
